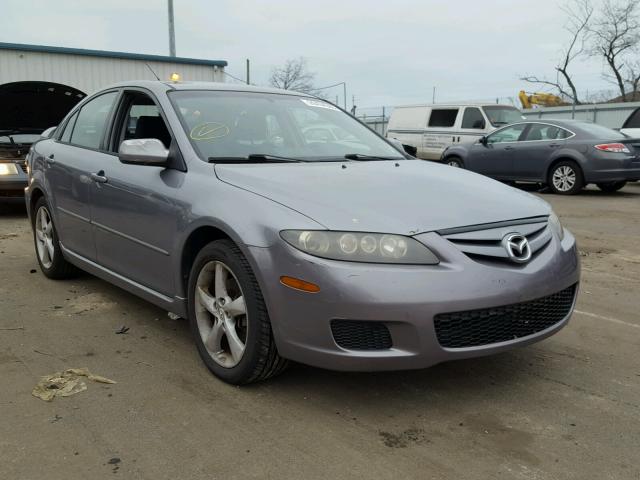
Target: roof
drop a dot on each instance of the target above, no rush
(161, 85)
(455, 105)
(108, 54)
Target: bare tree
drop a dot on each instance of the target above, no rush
(616, 34)
(293, 75)
(579, 13)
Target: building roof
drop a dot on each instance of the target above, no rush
(105, 53)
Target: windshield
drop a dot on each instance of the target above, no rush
(500, 115)
(598, 131)
(222, 124)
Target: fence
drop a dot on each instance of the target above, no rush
(610, 115)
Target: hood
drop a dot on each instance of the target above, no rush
(414, 197)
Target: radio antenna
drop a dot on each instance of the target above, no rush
(154, 73)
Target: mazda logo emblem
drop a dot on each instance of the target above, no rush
(517, 247)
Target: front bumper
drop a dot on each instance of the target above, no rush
(13, 185)
(404, 298)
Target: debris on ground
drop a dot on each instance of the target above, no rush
(65, 384)
(173, 316)
(122, 330)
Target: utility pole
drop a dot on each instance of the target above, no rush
(344, 85)
(172, 32)
(248, 78)
(433, 99)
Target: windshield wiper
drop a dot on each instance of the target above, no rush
(254, 158)
(360, 156)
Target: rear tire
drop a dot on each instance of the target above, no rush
(228, 317)
(45, 238)
(611, 187)
(455, 162)
(565, 178)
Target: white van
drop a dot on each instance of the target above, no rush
(432, 128)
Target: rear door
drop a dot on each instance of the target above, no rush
(76, 154)
(407, 126)
(441, 132)
(533, 153)
(495, 159)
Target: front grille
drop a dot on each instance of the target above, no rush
(500, 324)
(23, 166)
(358, 335)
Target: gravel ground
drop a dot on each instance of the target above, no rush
(565, 408)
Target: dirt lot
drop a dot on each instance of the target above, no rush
(566, 408)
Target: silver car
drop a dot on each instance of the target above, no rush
(209, 201)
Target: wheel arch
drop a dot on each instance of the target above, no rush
(563, 157)
(36, 194)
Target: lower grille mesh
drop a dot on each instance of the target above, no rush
(357, 335)
(492, 325)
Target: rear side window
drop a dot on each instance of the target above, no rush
(443, 117)
(91, 121)
(473, 118)
(68, 129)
(539, 131)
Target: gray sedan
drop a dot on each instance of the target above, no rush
(209, 201)
(566, 155)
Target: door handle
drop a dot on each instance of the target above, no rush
(99, 177)
(50, 159)
(508, 148)
(554, 145)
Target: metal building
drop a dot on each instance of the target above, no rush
(40, 84)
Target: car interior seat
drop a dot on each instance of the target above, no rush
(153, 127)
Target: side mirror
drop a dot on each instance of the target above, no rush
(483, 141)
(144, 151)
(402, 147)
(48, 132)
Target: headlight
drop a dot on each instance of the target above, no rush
(360, 247)
(556, 226)
(8, 169)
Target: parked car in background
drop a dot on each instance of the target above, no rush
(214, 205)
(566, 155)
(631, 126)
(432, 128)
(14, 146)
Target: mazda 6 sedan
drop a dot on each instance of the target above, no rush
(565, 155)
(209, 201)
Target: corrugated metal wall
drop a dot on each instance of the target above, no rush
(610, 115)
(88, 74)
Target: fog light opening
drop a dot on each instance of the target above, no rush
(298, 284)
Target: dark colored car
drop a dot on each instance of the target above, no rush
(566, 155)
(14, 146)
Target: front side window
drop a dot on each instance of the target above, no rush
(473, 118)
(500, 115)
(92, 119)
(443, 117)
(508, 134)
(223, 124)
(143, 120)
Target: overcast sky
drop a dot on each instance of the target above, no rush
(389, 52)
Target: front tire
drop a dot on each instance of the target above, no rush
(455, 162)
(228, 317)
(45, 237)
(611, 187)
(565, 178)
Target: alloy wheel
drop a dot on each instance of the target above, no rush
(564, 178)
(221, 314)
(44, 237)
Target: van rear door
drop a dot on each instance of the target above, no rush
(441, 132)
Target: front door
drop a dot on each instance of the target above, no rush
(495, 158)
(135, 211)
